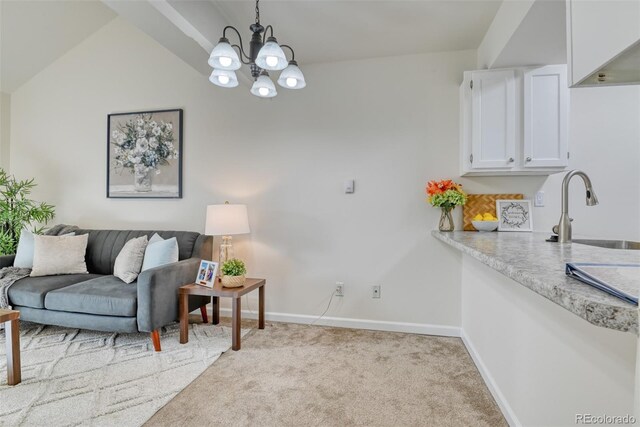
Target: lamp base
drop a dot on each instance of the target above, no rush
(226, 253)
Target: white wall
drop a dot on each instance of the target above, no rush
(5, 129)
(390, 124)
(504, 25)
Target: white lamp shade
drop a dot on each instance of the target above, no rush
(271, 57)
(223, 78)
(226, 220)
(292, 78)
(224, 57)
(263, 87)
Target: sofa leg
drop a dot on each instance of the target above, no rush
(155, 338)
(203, 311)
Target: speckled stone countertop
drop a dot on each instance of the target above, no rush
(540, 266)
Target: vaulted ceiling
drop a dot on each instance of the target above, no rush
(35, 33)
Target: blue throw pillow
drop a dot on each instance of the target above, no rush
(160, 252)
(24, 253)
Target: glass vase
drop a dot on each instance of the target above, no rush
(142, 181)
(446, 220)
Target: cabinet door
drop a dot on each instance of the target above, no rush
(493, 118)
(546, 110)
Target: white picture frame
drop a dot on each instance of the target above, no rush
(207, 273)
(514, 215)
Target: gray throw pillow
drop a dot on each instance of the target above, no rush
(59, 255)
(129, 260)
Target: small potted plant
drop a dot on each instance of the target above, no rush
(233, 272)
(445, 194)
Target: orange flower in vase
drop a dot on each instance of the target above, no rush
(445, 194)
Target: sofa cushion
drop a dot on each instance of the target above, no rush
(105, 295)
(31, 291)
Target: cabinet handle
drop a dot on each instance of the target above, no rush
(528, 159)
(511, 160)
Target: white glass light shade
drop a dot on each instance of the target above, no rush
(226, 220)
(263, 87)
(223, 78)
(271, 56)
(224, 57)
(291, 77)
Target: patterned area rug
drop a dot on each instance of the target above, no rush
(74, 377)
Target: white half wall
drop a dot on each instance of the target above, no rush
(543, 364)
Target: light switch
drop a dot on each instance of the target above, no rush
(349, 186)
(539, 200)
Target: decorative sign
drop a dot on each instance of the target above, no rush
(514, 215)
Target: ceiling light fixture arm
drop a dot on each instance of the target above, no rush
(241, 46)
(242, 55)
(268, 28)
(293, 54)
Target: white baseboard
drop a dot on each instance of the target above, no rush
(342, 322)
(504, 406)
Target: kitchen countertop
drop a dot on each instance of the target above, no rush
(540, 266)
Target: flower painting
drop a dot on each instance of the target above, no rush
(145, 154)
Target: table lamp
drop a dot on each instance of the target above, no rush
(226, 220)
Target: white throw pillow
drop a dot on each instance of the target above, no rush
(59, 255)
(160, 252)
(24, 252)
(129, 260)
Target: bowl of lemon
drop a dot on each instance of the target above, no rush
(485, 222)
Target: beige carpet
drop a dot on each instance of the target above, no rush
(297, 375)
(73, 377)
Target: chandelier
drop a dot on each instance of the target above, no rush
(265, 54)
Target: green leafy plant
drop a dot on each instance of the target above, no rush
(17, 211)
(234, 267)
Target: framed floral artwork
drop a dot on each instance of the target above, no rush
(144, 154)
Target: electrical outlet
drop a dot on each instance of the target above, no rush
(539, 199)
(375, 291)
(339, 289)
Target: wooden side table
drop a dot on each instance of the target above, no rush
(11, 320)
(215, 293)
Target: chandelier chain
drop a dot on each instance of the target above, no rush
(257, 12)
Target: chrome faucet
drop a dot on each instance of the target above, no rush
(563, 229)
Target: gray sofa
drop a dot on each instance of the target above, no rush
(102, 302)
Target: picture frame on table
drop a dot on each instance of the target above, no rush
(207, 273)
(514, 215)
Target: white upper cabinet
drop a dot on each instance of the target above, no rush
(493, 129)
(603, 42)
(515, 121)
(546, 109)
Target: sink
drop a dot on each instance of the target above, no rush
(609, 244)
